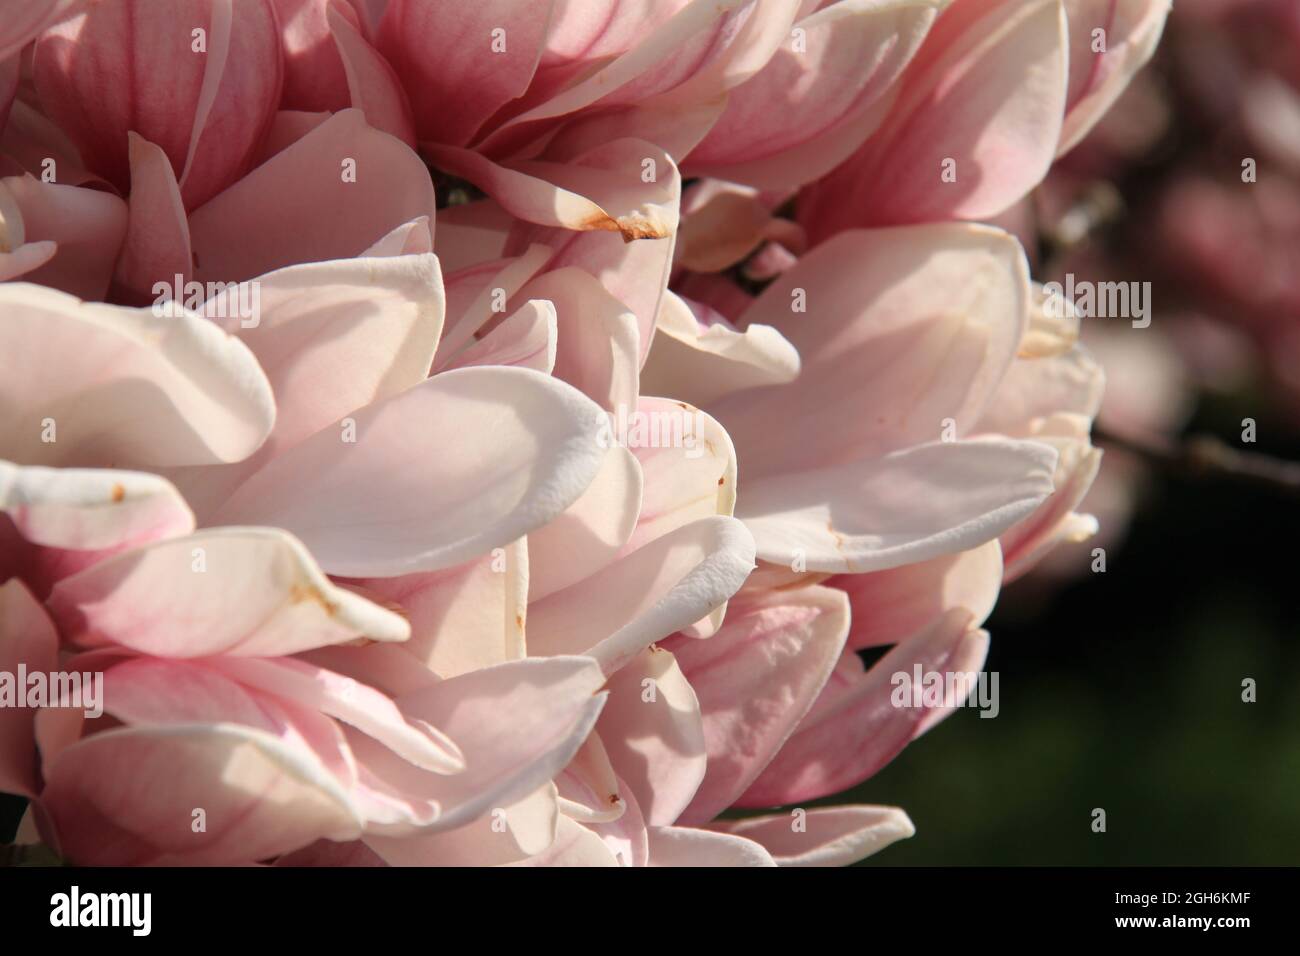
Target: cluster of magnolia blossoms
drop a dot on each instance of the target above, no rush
(375, 532)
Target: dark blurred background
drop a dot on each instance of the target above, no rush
(1124, 692)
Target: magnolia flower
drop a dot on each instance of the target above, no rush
(519, 532)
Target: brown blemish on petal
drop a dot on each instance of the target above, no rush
(637, 227)
(118, 493)
(721, 481)
(614, 799)
(630, 227)
(309, 592)
(839, 546)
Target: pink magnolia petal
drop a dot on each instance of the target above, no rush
(577, 37)
(702, 50)
(756, 679)
(723, 223)
(1028, 541)
(654, 734)
(472, 233)
(829, 94)
(1053, 325)
(589, 789)
(908, 506)
(382, 317)
(87, 226)
(682, 846)
(88, 510)
(245, 591)
(466, 461)
(157, 244)
(750, 34)
(575, 845)
(666, 585)
(10, 73)
(300, 205)
(606, 189)
(1037, 388)
(889, 606)
(701, 364)
(385, 667)
(689, 465)
(329, 853)
(592, 794)
(598, 349)
(591, 531)
(35, 143)
(770, 261)
(378, 318)
(1131, 31)
(675, 128)
(479, 293)
(127, 796)
(372, 85)
(634, 273)
(520, 830)
(628, 837)
(526, 339)
(714, 297)
(465, 617)
(124, 387)
(351, 702)
(982, 99)
(28, 638)
(517, 724)
(21, 21)
(157, 693)
(855, 728)
(826, 836)
(287, 128)
(25, 258)
(477, 69)
(369, 14)
(409, 239)
(58, 728)
(314, 78)
(909, 327)
(206, 110)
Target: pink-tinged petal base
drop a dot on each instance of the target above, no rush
(824, 836)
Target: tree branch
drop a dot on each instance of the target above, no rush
(1207, 458)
